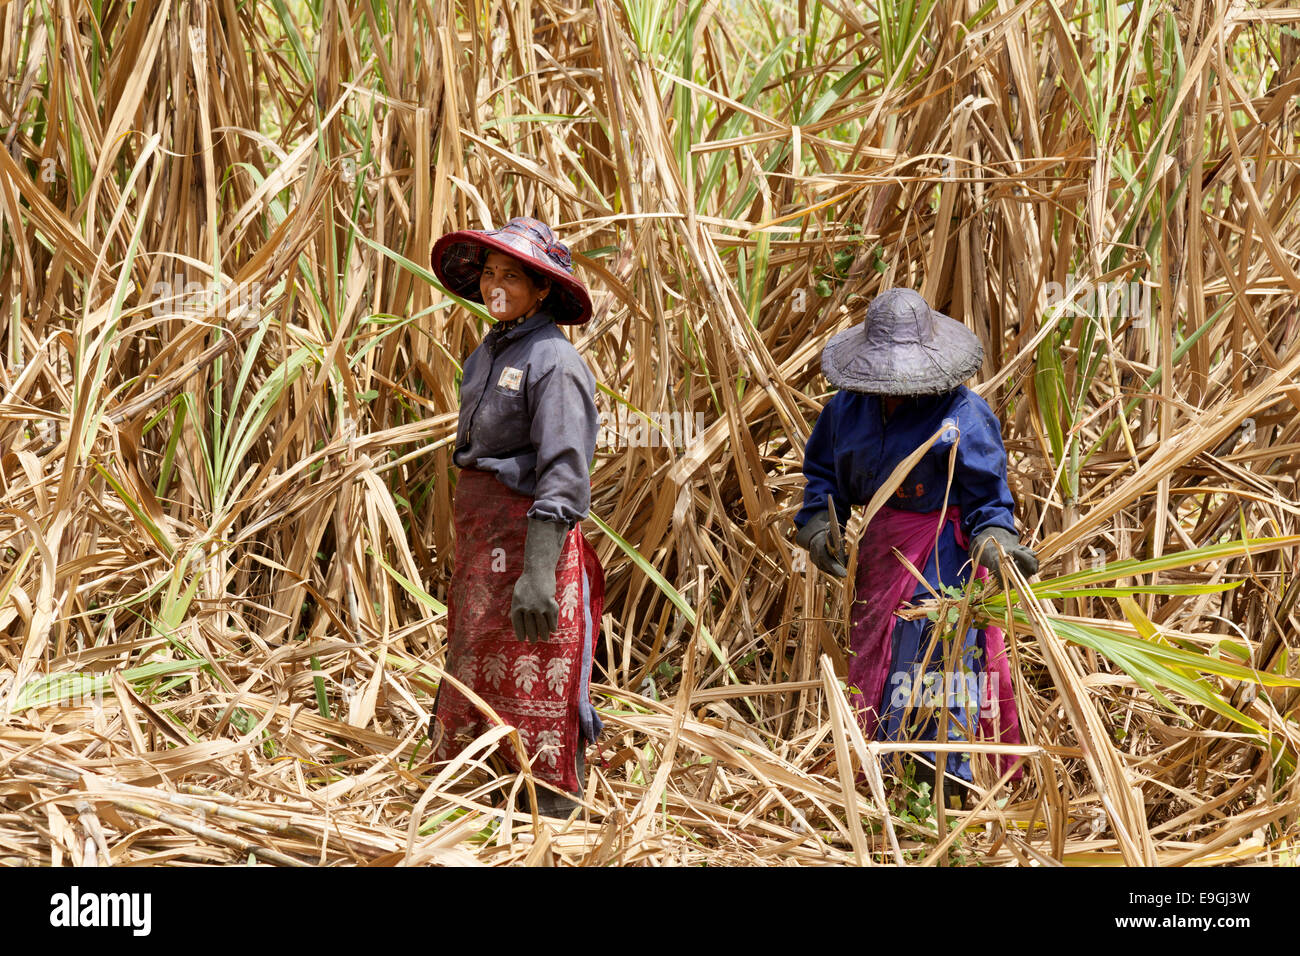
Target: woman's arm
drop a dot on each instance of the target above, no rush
(980, 474)
(819, 468)
(563, 431)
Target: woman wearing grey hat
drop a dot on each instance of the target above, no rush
(900, 377)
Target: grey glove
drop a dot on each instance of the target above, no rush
(984, 551)
(589, 723)
(533, 609)
(812, 536)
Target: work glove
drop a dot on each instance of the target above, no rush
(984, 551)
(589, 723)
(533, 609)
(813, 537)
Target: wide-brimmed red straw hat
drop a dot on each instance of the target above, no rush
(458, 259)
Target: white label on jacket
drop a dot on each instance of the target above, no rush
(511, 378)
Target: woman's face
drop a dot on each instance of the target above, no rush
(507, 290)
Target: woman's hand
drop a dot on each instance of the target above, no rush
(985, 552)
(533, 609)
(813, 536)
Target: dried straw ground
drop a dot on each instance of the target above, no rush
(224, 530)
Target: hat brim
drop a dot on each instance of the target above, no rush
(953, 355)
(458, 258)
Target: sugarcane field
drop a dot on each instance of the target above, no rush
(646, 433)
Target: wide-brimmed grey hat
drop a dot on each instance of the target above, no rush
(903, 347)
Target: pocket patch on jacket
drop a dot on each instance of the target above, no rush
(511, 378)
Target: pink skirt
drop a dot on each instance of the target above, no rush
(883, 585)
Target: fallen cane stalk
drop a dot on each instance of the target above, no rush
(207, 833)
(86, 811)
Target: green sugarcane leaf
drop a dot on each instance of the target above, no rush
(1146, 663)
(159, 536)
(411, 588)
(675, 598)
(1049, 593)
(1135, 567)
(54, 689)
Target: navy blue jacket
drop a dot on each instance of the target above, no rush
(852, 451)
(528, 415)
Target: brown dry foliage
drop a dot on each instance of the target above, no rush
(190, 139)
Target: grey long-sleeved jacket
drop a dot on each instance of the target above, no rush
(528, 415)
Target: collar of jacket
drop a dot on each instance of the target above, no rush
(925, 402)
(911, 405)
(501, 333)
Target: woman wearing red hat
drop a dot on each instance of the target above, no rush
(527, 588)
(899, 376)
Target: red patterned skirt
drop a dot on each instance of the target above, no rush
(536, 687)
